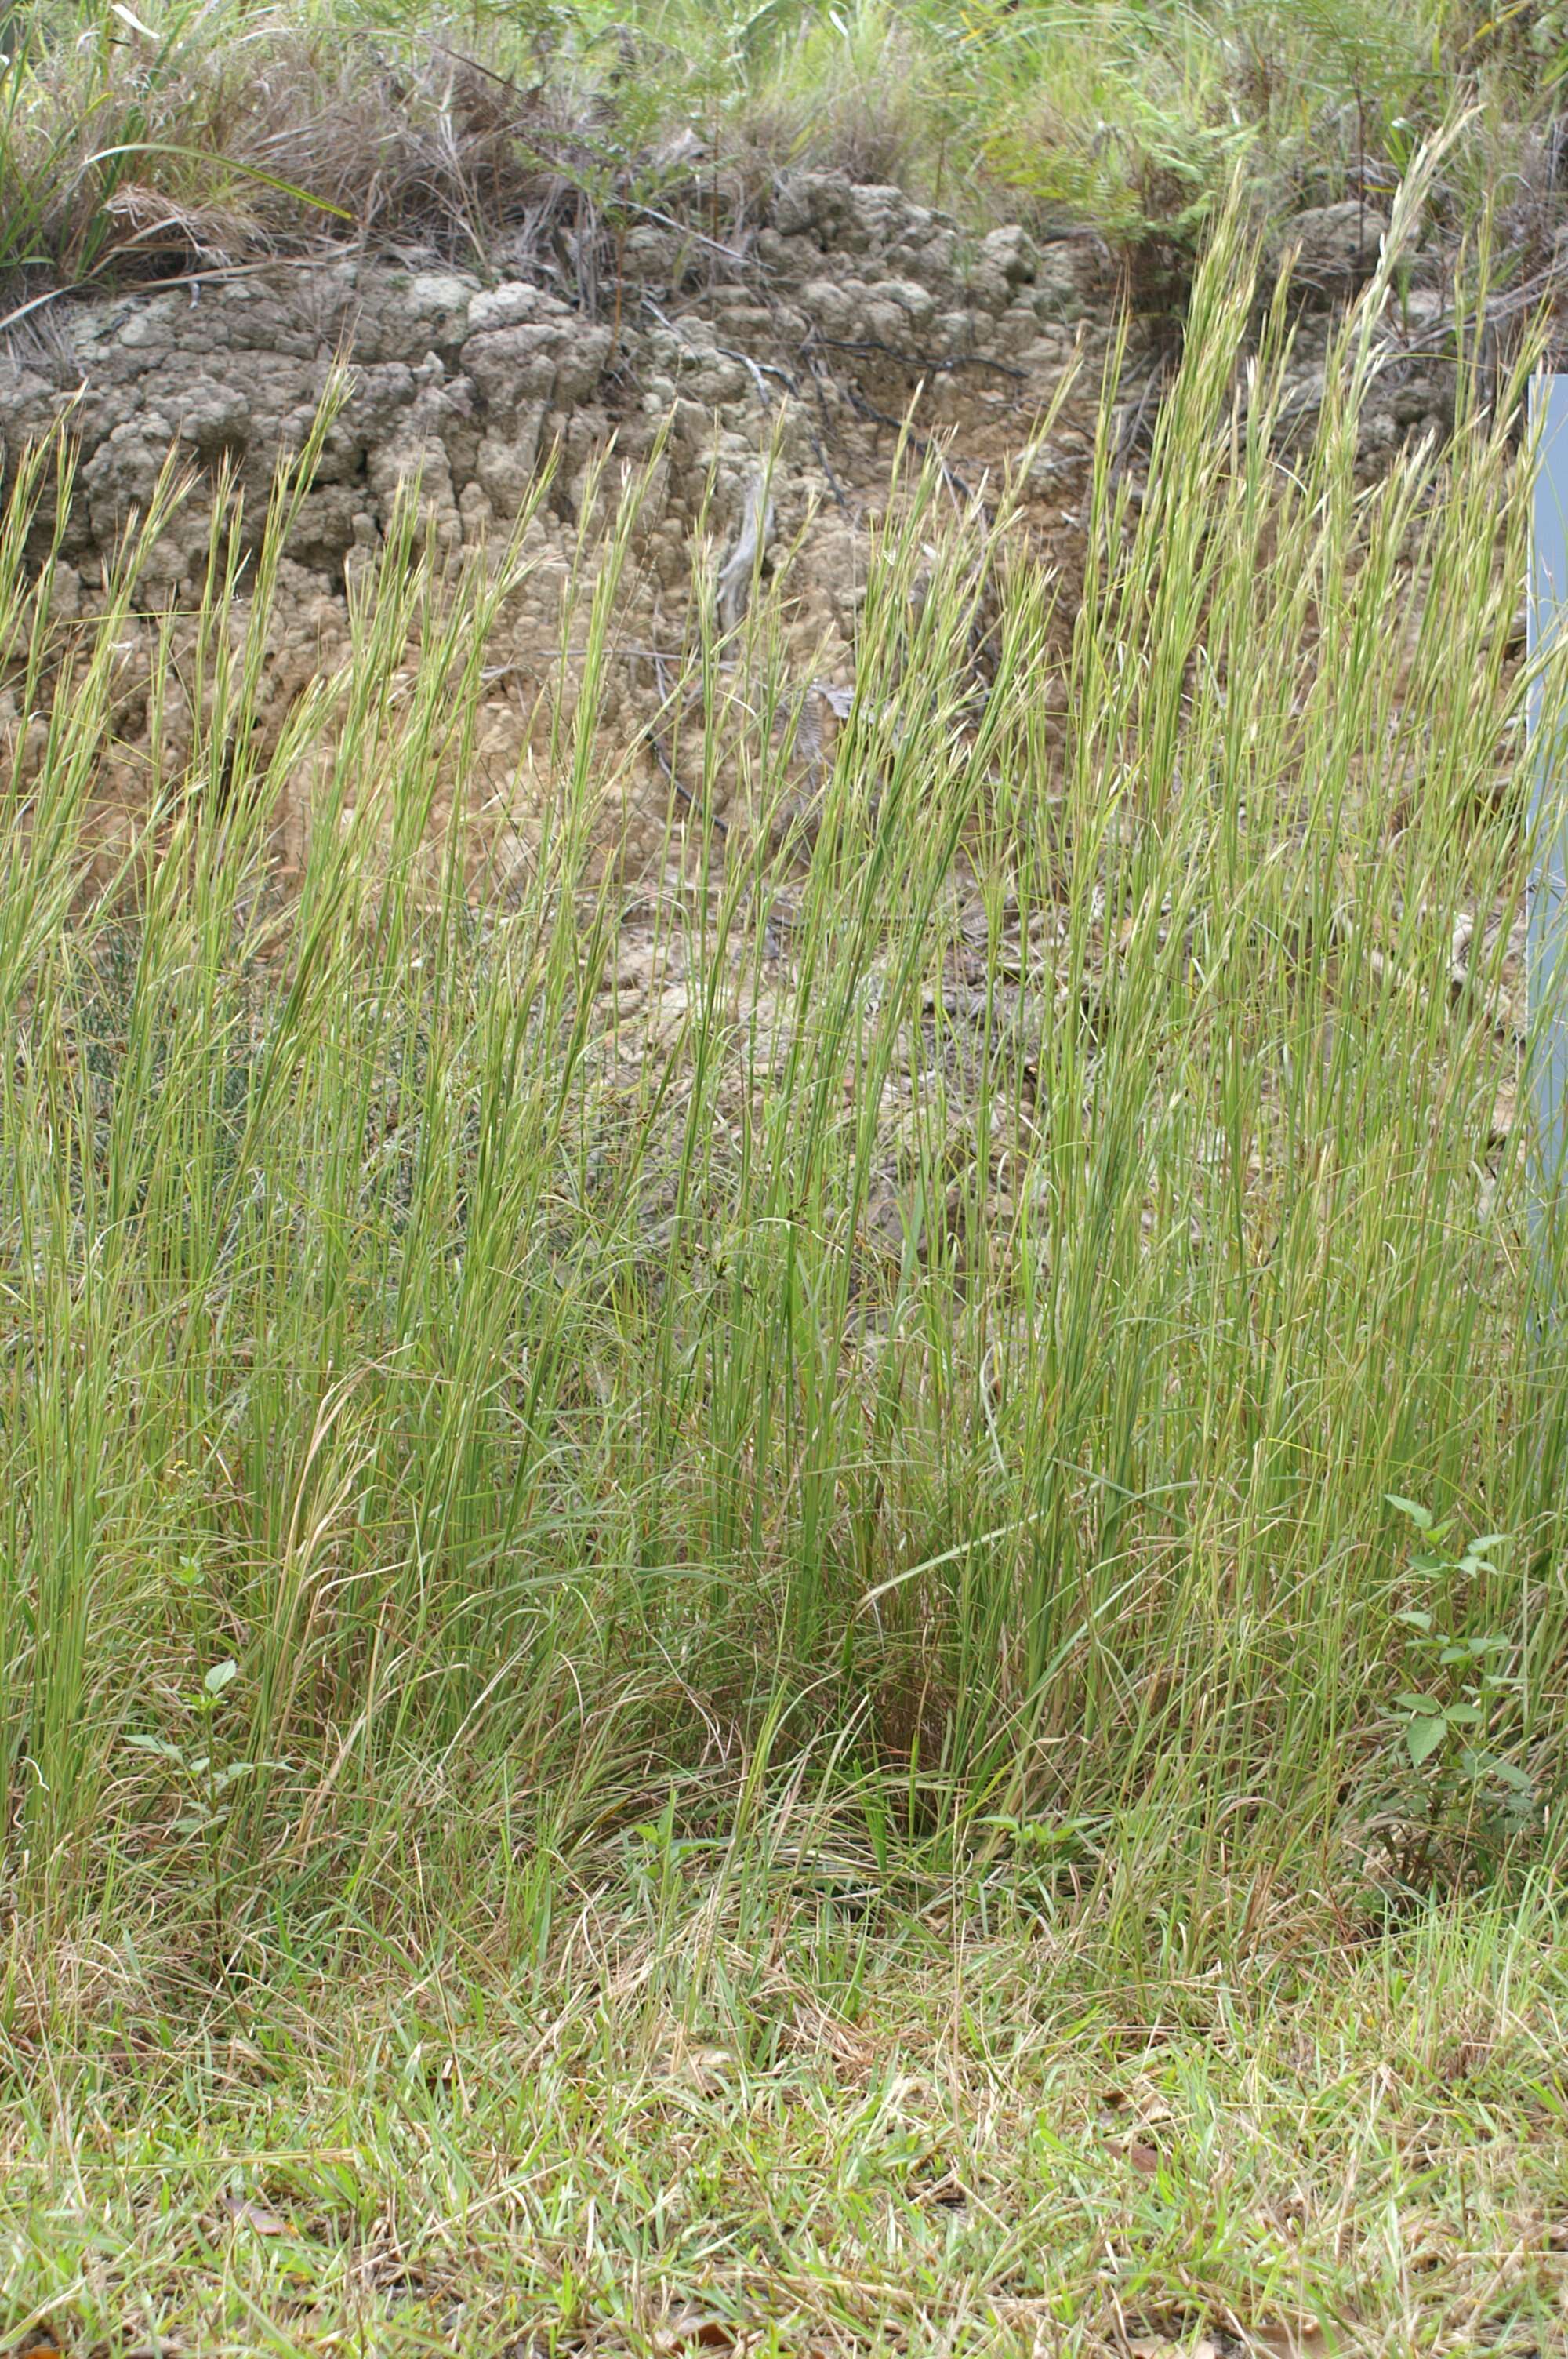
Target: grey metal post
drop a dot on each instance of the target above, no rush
(1546, 952)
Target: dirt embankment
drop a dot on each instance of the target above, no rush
(783, 376)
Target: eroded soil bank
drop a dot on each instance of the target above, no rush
(763, 391)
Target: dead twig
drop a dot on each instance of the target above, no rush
(687, 796)
(921, 364)
(759, 370)
(924, 444)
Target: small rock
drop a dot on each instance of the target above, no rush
(510, 305)
(1012, 251)
(1336, 246)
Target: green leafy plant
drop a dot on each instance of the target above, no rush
(1048, 1861)
(204, 1772)
(1456, 1720)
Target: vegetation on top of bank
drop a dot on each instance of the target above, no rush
(143, 140)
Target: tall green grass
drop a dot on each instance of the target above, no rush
(959, 1360)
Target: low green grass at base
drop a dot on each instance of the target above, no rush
(824, 2126)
